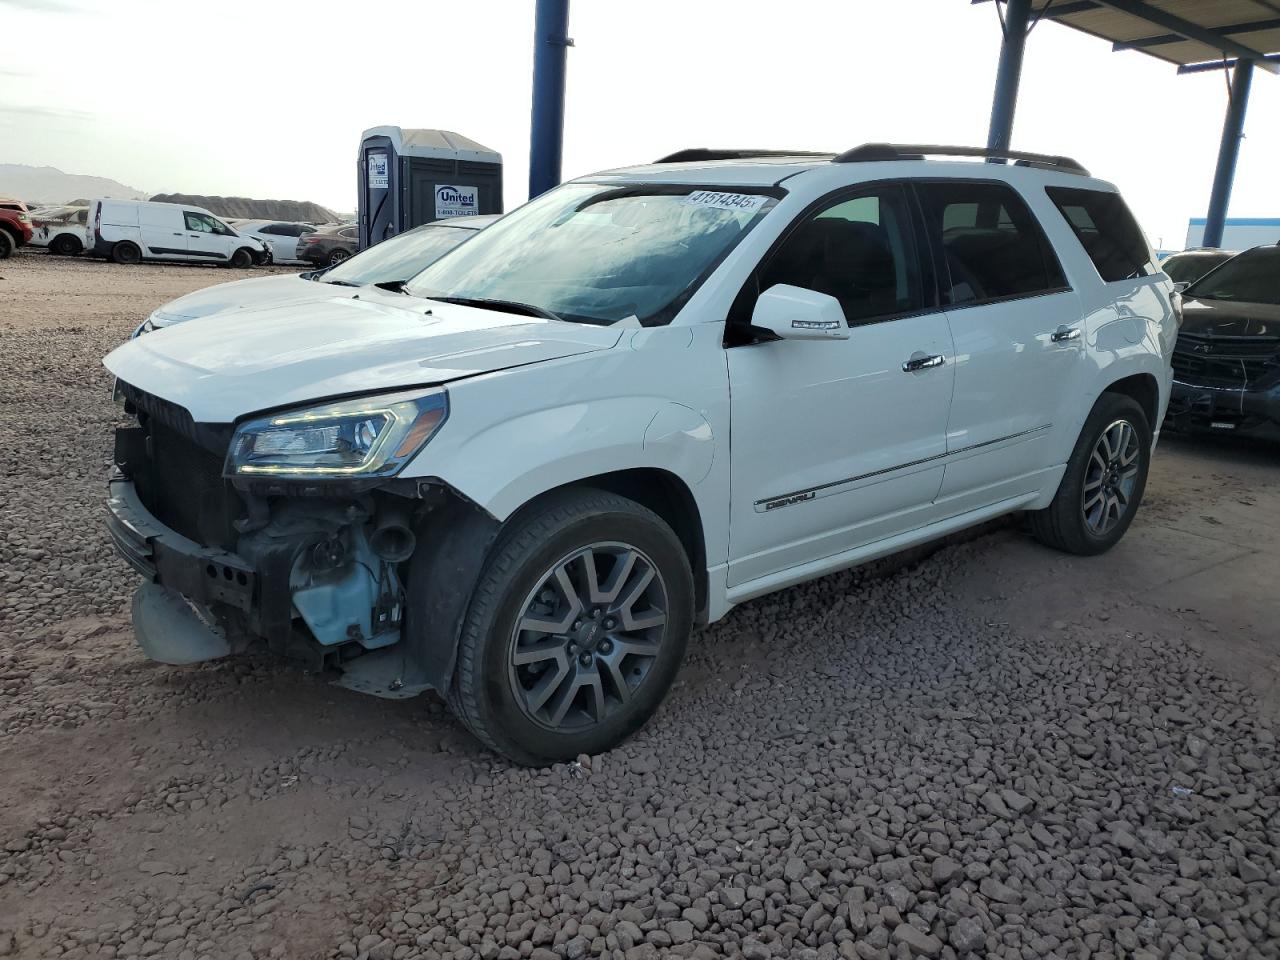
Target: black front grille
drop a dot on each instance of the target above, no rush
(1232, 362)
(177, 470)
(214, 437)
(181, 484)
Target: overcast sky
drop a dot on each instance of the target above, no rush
(268, 98)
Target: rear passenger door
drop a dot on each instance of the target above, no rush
(1018, 341)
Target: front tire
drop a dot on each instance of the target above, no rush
(575, 630)
(7, 244)
(1104, 481)
(242, 259)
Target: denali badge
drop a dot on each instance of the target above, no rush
(788, 501)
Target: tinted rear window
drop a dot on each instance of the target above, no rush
(993, 245)
(1107, 231)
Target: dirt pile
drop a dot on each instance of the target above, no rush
(294, 211)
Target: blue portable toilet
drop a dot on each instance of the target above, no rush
(410, 177)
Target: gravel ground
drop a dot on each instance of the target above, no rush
(995, 752)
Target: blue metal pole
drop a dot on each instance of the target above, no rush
(1017, 14)
(550, 40)
(1228, 153)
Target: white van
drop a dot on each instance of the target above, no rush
(129, 231)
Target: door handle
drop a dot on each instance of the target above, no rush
(923, 363)
(177, 234)
(1065, 333)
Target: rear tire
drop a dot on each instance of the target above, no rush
(612, 583)
(126, 252)
(1104, 481)
(242, 259)
(7, 244)
(337, 256)
(65, 245)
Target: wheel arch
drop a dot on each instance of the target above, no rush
(455, 539)
(670, 498)
(1145, 389)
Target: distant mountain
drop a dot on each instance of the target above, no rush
(51, 185)
(299, 211)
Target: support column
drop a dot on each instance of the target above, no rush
(550, 40)
(1228, 152)
(1016, 17)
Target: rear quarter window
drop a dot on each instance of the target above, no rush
(1107, 230)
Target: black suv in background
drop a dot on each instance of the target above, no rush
(1226, 366)
(1190, 265)
(328, 245)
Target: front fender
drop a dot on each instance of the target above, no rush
(510, 461)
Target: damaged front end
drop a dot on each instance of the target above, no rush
(271, 533)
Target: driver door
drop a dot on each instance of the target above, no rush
(838, 443)
(204, 238)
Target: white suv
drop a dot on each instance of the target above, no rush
(642, 398)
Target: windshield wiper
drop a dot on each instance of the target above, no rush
(341, 283)
(510, 306)
(392, 286)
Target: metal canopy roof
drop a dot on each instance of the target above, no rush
(1182, 32)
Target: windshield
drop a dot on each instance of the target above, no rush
(398, 258)
(1251, 277)
(598, 254)
(1193, 266)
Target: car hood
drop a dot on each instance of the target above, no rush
(239, 294)
(295, 353)
(1227, 318)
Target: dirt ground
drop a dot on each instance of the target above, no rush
(997, 751)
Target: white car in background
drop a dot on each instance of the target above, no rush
(280, 235)
(391, 262)
(61, 229)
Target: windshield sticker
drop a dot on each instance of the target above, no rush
(725, 201)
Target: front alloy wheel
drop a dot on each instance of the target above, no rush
(590, 633)
(575, 629)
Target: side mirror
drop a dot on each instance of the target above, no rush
(794, 313)
(1181, 285)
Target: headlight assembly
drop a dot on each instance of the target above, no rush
(366, 437)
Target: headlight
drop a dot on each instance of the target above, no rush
(368, 437)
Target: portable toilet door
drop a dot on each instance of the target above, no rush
(379, 193)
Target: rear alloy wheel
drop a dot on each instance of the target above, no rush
(126, 252)
(1104, 480)
(1110, 478)
(575, 630)
(338, 255)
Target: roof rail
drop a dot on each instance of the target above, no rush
(912, 151)
(707, 153)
